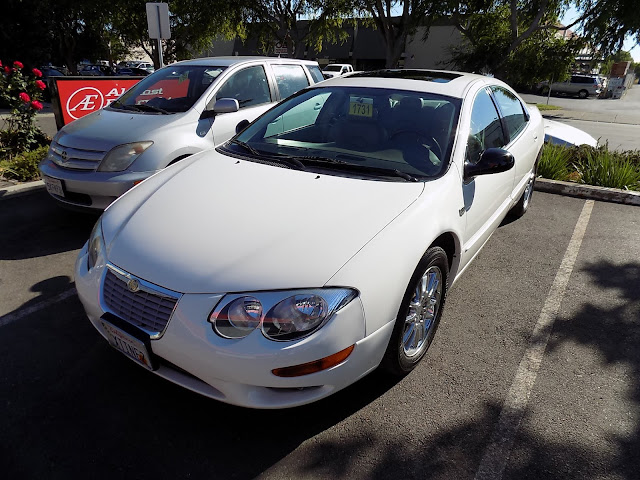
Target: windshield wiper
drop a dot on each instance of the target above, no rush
(245, 145)
(151, 108)
(122, 106)
(342, 165)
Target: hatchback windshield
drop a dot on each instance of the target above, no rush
(371, 132)
(170, 90)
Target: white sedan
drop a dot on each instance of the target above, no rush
(316, 245)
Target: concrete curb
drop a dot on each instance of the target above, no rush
(588, 191)
(21, 189)
(542, 184)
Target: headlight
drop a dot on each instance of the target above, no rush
(289, 315)
(119, 158)
(96, 244)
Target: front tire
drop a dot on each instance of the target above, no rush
(419, 313)
(583, 94)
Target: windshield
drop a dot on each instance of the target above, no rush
(333, 68)
(170, 90)
(361, 131)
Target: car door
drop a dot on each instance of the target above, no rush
(486, 197)
(250, 87)
(522, 141)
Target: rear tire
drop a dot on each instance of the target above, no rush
(419, 313)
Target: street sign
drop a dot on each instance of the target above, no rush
(158, 20)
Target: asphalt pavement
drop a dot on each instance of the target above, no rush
(534, 372)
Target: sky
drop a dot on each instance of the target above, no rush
(629, 45)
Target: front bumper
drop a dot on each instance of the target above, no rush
(88, 189)
(239, 371)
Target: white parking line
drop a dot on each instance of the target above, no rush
(18, 314)
(498, 451)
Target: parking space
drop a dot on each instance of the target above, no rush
(75, 407)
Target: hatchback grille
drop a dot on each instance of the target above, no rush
(147, 308)
(75, 158)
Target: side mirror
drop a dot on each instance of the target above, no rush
(242, 125)
(492, 160)
(223, 105)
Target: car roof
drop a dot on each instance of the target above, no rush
(444, 82)
(233, 60)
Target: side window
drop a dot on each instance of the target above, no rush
(290, 79)
(249, 86)
(486, 129)
(316, 73)
(512, 111)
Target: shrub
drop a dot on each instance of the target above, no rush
(24, 167)
(22, 93)
(555, 162)
(601, 167)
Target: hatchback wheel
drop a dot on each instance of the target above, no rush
(419, 313)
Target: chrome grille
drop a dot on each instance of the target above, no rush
(75, 158)
(148, 308)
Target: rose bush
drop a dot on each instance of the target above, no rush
(22, 92)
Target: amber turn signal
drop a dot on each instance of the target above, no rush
(315, 366)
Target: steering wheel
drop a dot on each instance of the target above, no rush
(420, 138)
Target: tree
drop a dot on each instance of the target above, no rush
(395, 28)
(512, 44)
(295, 24)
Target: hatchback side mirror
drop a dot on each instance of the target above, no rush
(492, 160)
(223, 105)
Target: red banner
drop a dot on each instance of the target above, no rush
(81, 96)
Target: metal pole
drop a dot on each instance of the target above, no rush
(159, 37)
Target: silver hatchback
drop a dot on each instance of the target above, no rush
(580, 85)
(175, 112)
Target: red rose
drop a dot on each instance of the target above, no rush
(7, 70)
(18, 64)
(36, 105)
(36, 72)
(40, 84)
(24, 97)
(0, 63)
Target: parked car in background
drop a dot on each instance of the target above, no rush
(132, 71)
(317, 244)
(96, 70)
(336, 69)
(173, 113)
(146, 66)
(47, 73)
(563, 134)
(579, 85)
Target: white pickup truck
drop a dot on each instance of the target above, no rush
(336, 69)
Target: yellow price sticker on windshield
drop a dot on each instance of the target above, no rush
(361, 108)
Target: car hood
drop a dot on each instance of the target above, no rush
(213, 224)
(104, 129)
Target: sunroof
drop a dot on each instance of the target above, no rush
(424, 75)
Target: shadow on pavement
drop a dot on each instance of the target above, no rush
(73, 407)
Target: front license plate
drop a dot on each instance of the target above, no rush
(127, 344)
(54, 186)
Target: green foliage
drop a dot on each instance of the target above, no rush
(22, 94)
(592, 166)
(601, 167)
(23, 167)
(620, 56)
(554, 162)
(606, 23)
(523, 54)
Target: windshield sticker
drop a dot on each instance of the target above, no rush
(361, 106)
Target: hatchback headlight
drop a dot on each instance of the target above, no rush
(96, 245)
(281, 316)
(121, 157)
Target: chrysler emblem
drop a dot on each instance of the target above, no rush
(133, 285)
(64, 156)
